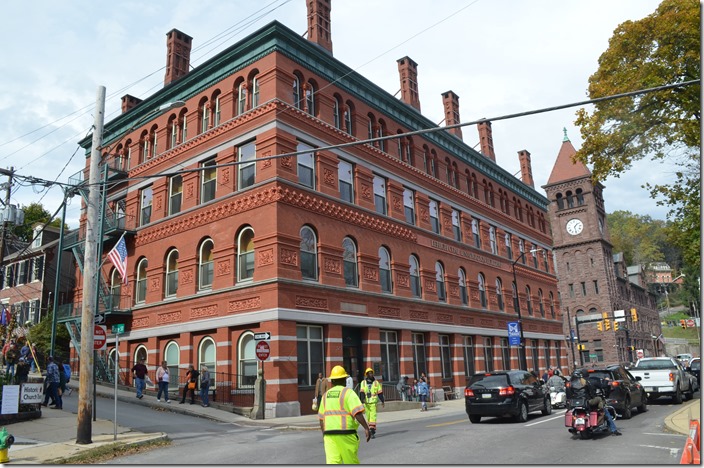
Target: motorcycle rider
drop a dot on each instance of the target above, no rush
(556, 385)
(581, 387)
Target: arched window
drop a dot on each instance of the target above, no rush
(541, 305)
(560, 201)
(522, 250)
(348, 118)
(414, 272)
(242, 98)
(509, 245)
(216, 110)
(297, 92)
(337, 112)
(552, 305)
(140, 354)
(310, 97)
(204, 116)
(580, 197)
(207, 358)
(463, 286)
(514, 293)
(570, 199)
(529, 301)
(482, 290)
(112, 356)
(349, 261)
(385, 270)
(309, 254)
(440, 281)
(171, 286)
(205, 265)
(172, 356)
(115, 289)
(245, 254)
(500, 293)
(247, 363)
(140, 287)
(255, 91)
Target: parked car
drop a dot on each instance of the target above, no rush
(513, 393)
(622, 390)
(663, 376)
(684, 359)
(694, 368)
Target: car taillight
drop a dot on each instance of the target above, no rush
(614, 384)
(672, 377)
(506, 391)
(468, 392)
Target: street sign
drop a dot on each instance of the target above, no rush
(100, 337)
(262, 350)
(118, 329)
(99, 318)
(514, 334)
(262, 336)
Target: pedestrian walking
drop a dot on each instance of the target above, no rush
(204, 386)
(371, 393)
(402, 388)
(340, 414)
(139, 371)
(22, 373)
(52, 383)
(11, 357)
(191, 384)
(321, 386)
(423, 392)
(162, 380)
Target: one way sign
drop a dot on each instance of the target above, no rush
(262, 336)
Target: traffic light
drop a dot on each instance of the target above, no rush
(607, 324)
(634, 315)
(615, 326)
(600, 326)
(683, 324)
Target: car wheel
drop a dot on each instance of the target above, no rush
(677, 398)
(643, 405)
(474, 419)
(522, 415)
(547, 408)
(627, 409)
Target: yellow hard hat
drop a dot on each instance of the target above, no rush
(369, 369)
(338, 372)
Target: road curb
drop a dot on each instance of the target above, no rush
(680, 428)
(97, 445)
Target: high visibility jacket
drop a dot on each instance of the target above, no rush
(371, 391)
(338, 409)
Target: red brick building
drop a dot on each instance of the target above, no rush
(255, 208)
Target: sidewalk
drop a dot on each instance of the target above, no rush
(53, 436)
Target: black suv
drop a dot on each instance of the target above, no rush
(620, 388)
(505, 393)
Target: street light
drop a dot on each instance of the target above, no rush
(517, 308)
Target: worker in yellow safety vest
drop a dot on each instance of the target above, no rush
(370, 392)
(340, 414)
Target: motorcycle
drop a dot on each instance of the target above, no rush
(558, 398)
(585, 422)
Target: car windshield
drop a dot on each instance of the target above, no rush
(489, 381)
(656, 364)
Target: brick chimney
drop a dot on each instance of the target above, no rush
(486, 140)
(526, 168)
(319, 23)
(129, 102)
(451, 104)
(408, 73)
(178, 55)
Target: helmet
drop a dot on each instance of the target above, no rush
(578, 374)
(338, 372)
(556, 372)
(369, 369)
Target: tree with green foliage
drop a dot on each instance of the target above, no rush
(33, 213)
(663, 126)
(40, 335)
(640, 238)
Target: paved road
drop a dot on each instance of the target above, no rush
(440, 438)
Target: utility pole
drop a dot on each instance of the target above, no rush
(5, 222)
(90, 277)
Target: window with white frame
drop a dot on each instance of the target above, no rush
(349, 262)
(296, 88)
(420, 361)
(247, 361)
(456, 225)
(463, 286)
(175, 194)
(389, 356)
(500, 294)
(310, 354)
(204, 117)
(552, 305)
(409, 209)
(482, 290)
(385, 270)
(37, 238)
(492, 240)
(310, 98)
(541, 305)
(509, 249)
(475, 233)
(445, 356)
(171, 286)
(216, 112)
(146, 206)
(434, 216)
(140, 287)
(208, 180)
(172, 356)
(306, 165)
(380, 194)
(440, 281)
(246, 168)
(534, 253)
(255, 91)
(205, 265)
(348, 120)
(337, 121)
(38, 267)
(522, 250)
(245, 255)
(345, 179)
(309, 254)
(414, 271)
(241, 98)
(529, 301)
(115, 289)
(207, 358)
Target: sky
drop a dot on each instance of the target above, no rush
(500, 57)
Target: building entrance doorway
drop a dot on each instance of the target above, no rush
(352, 353)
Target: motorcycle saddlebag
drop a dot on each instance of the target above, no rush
(568, 418)
(593, 418)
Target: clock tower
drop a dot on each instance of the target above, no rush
(592, 286)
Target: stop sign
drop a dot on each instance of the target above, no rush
(639, 354)
(262, 350)
(100, 337)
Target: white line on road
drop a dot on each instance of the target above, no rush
(545, 420)
(664, 434)
(673, 451)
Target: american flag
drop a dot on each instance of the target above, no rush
(661, 339)
(118, 256)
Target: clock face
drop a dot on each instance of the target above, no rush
(574, 226)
